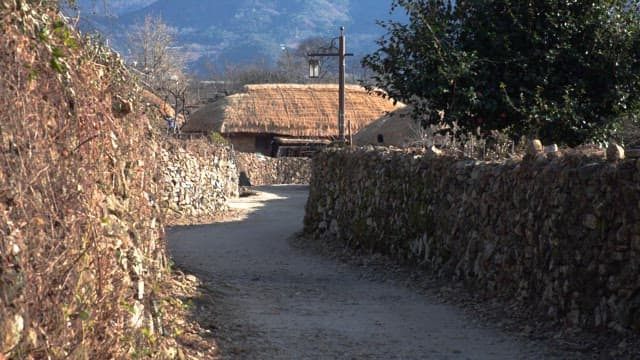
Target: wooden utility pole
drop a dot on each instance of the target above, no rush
(341, 90)
(341, 54)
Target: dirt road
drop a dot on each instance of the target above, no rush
(273, 301)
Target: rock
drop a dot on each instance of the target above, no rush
(137, 262)
(635, 242)
(137, 315)
(121, 107)
(632, 153)
(333, 226)
(33, 338)
(140, 289)
(590, 221)
(615, 152)
(434, 151)
(170, 352)
(574, 317)
(534, 147)
(551, 148)
(14, 328)
(191, 278)
(15, 249)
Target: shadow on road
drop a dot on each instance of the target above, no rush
(247, 208)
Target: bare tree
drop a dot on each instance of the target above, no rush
(149, 46)
(175, 90)
(294, 63)
(292, 66)
(236, 76)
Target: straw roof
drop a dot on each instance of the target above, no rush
(153, 99)
(165, 109)
(290, 110)
(398, 128)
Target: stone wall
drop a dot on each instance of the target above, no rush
(559, 234)
(259, 170)
(197, 179)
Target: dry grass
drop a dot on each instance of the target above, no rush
(79, 227)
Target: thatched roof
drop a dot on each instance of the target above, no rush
(289, 110)
(398, 128)
(165, 109)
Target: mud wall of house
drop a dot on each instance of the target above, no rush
(256, 169)
(561, 236)
(198, 178)
(243, 143)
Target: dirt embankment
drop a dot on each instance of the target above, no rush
(83, 268)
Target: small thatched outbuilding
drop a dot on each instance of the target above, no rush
(400, 128)
(397, 128)
(252, 119)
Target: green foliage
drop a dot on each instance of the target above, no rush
(217, 138)
(84, 315)
(564, 71)
(58, 38)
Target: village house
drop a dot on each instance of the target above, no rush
(267, 116)
(401, 129)
(397, 128)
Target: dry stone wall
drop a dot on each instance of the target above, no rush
(256, 169)
(197, 182)
(198, 178)
(560, 234)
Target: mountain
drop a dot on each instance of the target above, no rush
(244, 31)
(110, 7)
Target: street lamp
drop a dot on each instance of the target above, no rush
(314, 68)
(314, 72)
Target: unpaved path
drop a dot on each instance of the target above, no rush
(273, 301)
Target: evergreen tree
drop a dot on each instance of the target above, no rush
(564, 71)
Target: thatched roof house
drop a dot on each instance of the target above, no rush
(250, 120)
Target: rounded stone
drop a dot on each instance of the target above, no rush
(534, 147)
(615, 152)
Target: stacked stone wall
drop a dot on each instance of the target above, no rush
(559, 234)
(198, 180)
(263, 170)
